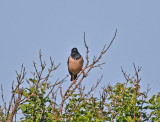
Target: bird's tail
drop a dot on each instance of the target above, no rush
(73, 77)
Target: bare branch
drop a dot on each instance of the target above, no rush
(105, 50)
(91, 66)
(4, 103)
(94, 87)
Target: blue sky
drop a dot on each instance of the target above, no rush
(56, 26)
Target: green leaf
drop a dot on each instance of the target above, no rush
(38, 116)
(158, 100)
(23, 107)
(25, 93)
(32, 80)
(32, 89)
(42, 90)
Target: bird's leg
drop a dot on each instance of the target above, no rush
(73, 79)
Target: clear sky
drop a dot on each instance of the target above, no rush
(56, 26)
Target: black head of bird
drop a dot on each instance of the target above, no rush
(75, 63)
(75, 54)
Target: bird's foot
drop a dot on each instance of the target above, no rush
(74, 81)
(82, 70)
(84, 74)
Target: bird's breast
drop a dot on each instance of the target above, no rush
(75, 66)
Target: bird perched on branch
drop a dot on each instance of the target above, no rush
(75, 63)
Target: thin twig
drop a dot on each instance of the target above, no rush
(67, 95)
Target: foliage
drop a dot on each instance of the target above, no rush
(154, 106)
(36, 107)
(115, 102)
(36, 97)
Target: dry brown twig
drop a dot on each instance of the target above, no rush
(20, 78)
(4, 103)
(82, 95)
(137, 87)
(87, 67)
(144, 97)
(94, 87)
(17, 97)
(136, 80)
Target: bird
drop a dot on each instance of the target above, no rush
(75, 63)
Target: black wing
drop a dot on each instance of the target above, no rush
(68, 67)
